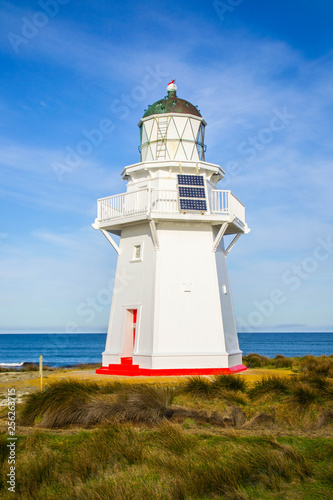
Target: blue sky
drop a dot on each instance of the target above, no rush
(261, 74)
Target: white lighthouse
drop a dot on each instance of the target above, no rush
(172, 309)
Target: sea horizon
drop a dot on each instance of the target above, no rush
(104, 333)
(59, 349)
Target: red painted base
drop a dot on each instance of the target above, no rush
(126, 368)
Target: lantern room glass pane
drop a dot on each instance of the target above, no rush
(200, 142)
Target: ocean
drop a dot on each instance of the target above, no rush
(68, 350)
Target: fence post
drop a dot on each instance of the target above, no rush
(40, 372)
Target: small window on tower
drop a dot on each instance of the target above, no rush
(137, 253)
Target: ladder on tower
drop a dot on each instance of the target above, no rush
(162, 127)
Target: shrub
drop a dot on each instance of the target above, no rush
(255, 360)
(321, 365)
(282, 362)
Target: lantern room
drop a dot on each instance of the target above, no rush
(172, 129)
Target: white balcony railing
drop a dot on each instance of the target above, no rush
(146, 201)
(224, 202)
(123, 205)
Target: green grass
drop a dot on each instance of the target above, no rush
(167, 462)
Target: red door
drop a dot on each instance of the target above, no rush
(135, 314)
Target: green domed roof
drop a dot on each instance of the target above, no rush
(172, 104)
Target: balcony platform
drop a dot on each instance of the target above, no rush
(162, 205)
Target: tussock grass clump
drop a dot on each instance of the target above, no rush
(272, 384)
(228, 387)
(79, 403)
(229, 382)
(197, 386)
(303, 394)
(143, 404)
(64, 395)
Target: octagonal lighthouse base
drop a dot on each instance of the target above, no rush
(127, 368)
(172, 310)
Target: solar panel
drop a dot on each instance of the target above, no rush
(187, 204)
(190, 192)
(192, 198)
(190, 180)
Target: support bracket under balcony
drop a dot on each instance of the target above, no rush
(233, 242)
(219, 236)
(111, 240)
(153, 230)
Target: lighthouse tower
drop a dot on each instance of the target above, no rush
(172, 310)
